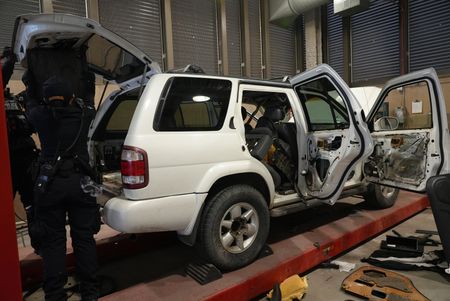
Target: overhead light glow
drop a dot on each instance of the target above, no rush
(200, 98)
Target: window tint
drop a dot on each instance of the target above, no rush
(121, 117)
(405, 107)
(323, 105)
(193, 104)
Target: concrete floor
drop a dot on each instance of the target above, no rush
(324, 284)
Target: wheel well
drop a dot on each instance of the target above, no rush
(251, 179)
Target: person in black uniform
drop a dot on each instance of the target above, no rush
(22, 148)
(62, 123)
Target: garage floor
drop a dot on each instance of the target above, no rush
(324, 284)
(134, 273)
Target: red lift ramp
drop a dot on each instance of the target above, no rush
(293, 254)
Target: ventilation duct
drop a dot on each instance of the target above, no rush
(284, 12)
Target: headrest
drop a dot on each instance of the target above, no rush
(274, 113)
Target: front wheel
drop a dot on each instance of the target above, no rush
(380, 196)
(234, 227)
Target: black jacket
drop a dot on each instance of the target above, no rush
(62, 131)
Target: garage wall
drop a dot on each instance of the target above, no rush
(192, 32)
(335, 38)
(234, 25)
(282, 50)
(254, 19)
(9, 9)
(139, 22)
(375, 42)
(195, 34)
(74, 7)
(429, 35)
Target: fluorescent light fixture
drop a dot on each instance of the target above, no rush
(200, 98)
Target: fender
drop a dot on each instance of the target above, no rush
(224, 169)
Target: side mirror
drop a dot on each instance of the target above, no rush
(386, 123)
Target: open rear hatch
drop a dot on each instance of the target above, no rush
(107, 54)
(58, 44)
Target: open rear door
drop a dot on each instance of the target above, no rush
(408, 122)
(333, 132)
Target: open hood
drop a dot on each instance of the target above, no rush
(107, 54)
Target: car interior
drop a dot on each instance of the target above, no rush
(271, 136)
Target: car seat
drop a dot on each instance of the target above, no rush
(271, 115)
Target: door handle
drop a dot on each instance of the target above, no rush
(354, 142)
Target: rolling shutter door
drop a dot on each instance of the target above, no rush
(195, 34)
(429, 35)
(335, 36)
(73, 7)
(282, 50)
(233, 12)
(9, 9)
(139, 21)
(301, 47)
(375, 42)
(254, 19)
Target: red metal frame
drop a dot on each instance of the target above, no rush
(294, 255)
(10, 285)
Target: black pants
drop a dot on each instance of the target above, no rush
(21, 175)
(64, 197)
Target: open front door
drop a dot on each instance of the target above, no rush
(334, 133)
(408, 122)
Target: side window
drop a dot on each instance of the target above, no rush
(121, 117)
(407, 107)
(323, 105)
(193, 104)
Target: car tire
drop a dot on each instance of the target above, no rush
(380, 196)
(234, 227)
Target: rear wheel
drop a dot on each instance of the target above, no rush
(234, 227)
(380, 196)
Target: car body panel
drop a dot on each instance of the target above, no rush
(355, 144)
(198, 153)
(174, 213)
(407, 157)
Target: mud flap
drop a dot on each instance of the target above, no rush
(379, 284)
(438, 190)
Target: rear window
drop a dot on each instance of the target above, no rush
(193, 104)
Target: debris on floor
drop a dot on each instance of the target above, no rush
(344, 266)
(291, 288)
(372, 282)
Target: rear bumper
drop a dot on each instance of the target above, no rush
(173, 213)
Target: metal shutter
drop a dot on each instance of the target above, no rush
(74, 7)
(282, 50)
(335, 35)
(9, 9)
(254, 19)
(139, 21)
(376, 42)
(429, 35)
(195, 34)
(300, 31)
(233, 12)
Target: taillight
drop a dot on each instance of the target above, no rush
(134, 167)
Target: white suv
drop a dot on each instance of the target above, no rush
(213, 157)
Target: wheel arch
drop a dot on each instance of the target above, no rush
(249, 178)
